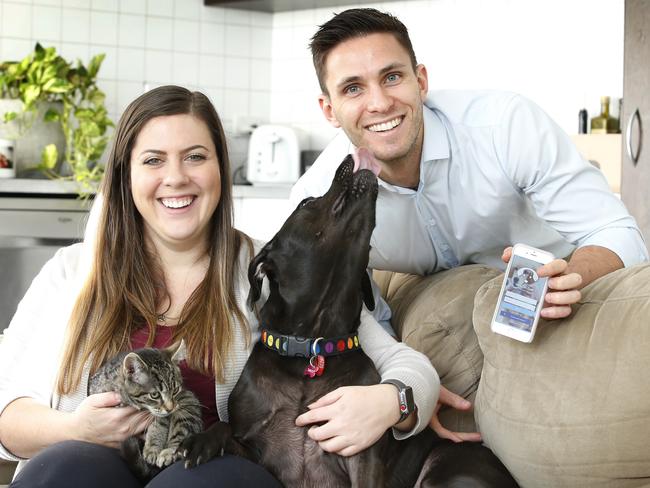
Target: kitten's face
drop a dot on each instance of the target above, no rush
(152, 381)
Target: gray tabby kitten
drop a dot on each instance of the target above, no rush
(150, 379)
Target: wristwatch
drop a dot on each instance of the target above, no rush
(405, 397)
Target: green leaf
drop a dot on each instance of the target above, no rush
(49, 156)
(95, 64)
(51, 115)
(57, 85)
(31, 94)
(9, 116)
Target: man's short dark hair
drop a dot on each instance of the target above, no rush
(355, 22)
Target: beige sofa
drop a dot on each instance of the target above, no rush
(569, 410)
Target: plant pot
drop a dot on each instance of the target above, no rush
(31, 134)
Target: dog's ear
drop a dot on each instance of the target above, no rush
(366, 290)
(256, 276)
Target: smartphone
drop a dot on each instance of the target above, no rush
(522, 294)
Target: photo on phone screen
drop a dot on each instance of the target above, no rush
(522, 292)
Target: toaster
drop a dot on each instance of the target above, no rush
(273, 156)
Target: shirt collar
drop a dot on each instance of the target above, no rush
(435, 146)
(436, 143)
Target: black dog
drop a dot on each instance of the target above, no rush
(316, 269)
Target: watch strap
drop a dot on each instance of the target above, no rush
(404, 396)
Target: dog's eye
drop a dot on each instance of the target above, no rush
(306, 201)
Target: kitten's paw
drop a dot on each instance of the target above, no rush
(150, 454)
(166, 457)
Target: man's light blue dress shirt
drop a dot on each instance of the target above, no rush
(495, 170)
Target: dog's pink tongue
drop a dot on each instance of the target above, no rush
(363, 159)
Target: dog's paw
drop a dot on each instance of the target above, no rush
(166, 457)
(200, 448)
(150, 454)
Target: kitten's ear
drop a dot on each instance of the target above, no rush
(176, 352)
(134, 369)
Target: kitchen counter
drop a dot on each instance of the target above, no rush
(20, 186)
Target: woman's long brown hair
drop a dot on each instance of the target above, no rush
(125, 287)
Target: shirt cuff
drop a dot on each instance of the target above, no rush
(626, 242)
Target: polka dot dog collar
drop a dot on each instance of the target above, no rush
(306, 347)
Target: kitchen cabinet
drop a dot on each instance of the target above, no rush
(282, 5)
(635, 179)
(261, 218)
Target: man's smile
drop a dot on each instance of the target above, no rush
(386, 126)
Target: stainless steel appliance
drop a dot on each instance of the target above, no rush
(36, 219)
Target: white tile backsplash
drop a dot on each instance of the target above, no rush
(261, 74)
(261, 42)
(15, 49)
(235, 16)
(235, 103)
(105, 5)
(238, 40)
(131, 30)
(103, 27)
(160, 8)
(186, 36)
(75, 25)
(46, 23)
(160, 33)
(85, 4)
(73, 51)
(187, 9)
(237, 73)
(212, 14)
(138, 7)
(109, 87)
(212, 38)
(185, 70)
(127, 91)
(49, 3)
(211, 71)
(130, 64)
(158, 66)
(16, 20)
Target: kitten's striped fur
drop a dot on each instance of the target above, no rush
(150, 379)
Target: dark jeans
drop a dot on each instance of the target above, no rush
(73, 464)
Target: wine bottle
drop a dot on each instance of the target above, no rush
(604, 123)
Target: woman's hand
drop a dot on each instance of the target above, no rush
(353, 417)
(459, 403)
(98, 419)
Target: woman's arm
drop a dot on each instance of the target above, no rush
(355, 417)
(26, 427)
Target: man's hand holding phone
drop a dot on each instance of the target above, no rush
(563, 289)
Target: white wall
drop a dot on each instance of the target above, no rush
(563, 54)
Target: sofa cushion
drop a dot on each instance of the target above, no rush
(433, 315)
(572, 408)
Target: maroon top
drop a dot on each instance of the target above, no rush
(201, 385)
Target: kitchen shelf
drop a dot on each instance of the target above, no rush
(282, 5)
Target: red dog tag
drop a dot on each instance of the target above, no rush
(315, 367)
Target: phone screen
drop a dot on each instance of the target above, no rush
(522, 293)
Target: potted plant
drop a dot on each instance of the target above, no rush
(78, 108)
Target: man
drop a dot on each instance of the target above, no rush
(464, 175)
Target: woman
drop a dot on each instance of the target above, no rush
(161, 263)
